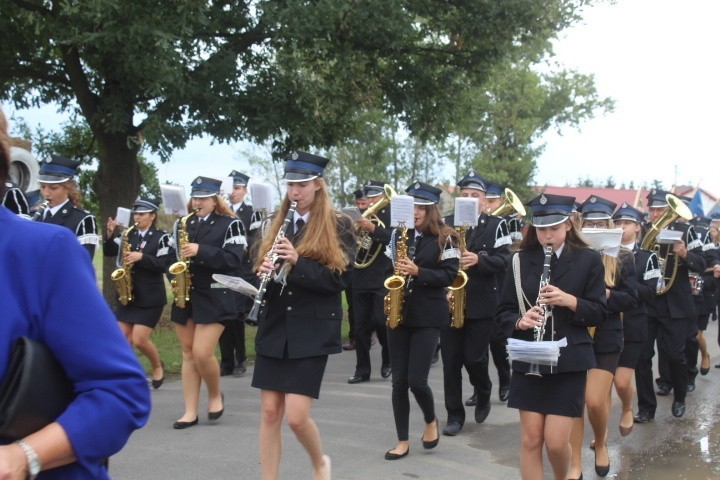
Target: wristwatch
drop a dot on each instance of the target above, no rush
(33, 461)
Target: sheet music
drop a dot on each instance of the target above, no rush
(352, 212)
(669, 236)
(261, 195)
(174, 199)
(122, 217)
(226, 187)
(466, 212)
(402, 211)
(237, 284)
(604, 240)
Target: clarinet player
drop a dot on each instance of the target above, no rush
(575, 300)
(300, 317)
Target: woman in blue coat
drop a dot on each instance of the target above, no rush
(50, 295)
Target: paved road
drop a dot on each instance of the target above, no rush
(357, 427)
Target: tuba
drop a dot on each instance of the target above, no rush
(675, 209)
(511, 204)
(181, 269)
(395, 298)
(365, 255)
(123, 275)
(458, 294)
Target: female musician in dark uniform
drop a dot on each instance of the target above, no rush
(634, 322)
(64, 201)
(215, 245)
(576, 298)
(150, 255)
(431, 265)
(300, 317)
(621, 295)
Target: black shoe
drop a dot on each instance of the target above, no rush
(678, 408)
(219, 413)
(644, 416)
(472, 401)
(349, 345)
(240, 369)
(182, 425)
(395, 456)
(504, 393)
(691, 387)
(663, 390)
(452, 428)
(432, 443)
(226, 370)
(482, 413)
(357, 378)
(385, 371)
(158, 383)
(579, 478)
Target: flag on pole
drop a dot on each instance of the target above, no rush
(696, 206)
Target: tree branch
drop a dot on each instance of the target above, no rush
(32, 7)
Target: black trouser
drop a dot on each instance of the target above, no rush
(232, 339)
(691, 353)
(411, 352)
(468, 347)
(670, 334)
(498, 349)
(368, 308)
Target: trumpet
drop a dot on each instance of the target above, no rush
(252, 318)
(675, 209)
(539, 331)
(365, 255)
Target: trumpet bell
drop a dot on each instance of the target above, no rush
(511, 204)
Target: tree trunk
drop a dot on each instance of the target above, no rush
(117, 184)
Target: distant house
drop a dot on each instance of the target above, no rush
(634, 197)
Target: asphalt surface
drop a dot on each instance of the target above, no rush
(357, 427)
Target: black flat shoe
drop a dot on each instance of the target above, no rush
(182, 425)
(357, 378)
(481, 414)
(385, 371)
(219, 413)
(579, 478)
(396, 456)
(504, 393)
(432, 443)
(158, 383)
(452, 428)
(678, 409)
(602, 471)
(472, 401)
(643, 416)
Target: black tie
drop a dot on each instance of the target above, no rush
(299, 224)
(553, 260)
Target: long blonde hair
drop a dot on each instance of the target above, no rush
(320, 240)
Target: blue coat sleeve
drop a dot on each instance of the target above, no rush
(112, 395)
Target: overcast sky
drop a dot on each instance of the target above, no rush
(657, 58)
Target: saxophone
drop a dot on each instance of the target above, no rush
(181, 269)
(395, 298)
(458, 294)
(123, 275)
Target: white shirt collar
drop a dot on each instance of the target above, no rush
(54, 210)
(629, 246)
(559, 251)
(297, 216)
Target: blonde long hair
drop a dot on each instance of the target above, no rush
(320, 240)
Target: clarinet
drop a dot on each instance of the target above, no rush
(40, 211)
(252, 318)
(539, 331)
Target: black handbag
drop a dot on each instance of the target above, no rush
(34, 392)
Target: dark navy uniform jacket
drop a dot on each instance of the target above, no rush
(490, 240)
(426, 303)
(303, 319)
(373, 276)
(647, 271)
(579, 272)
(14, 199)
(50, 294)
(147, 273)
(678, 301)
(623, 297)
(81, 222)
(221, 250)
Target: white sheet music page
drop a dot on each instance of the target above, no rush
(352, 212)
(174, 200)
(466, 212)
(402, 211)
(122, 217)
(261, 196)
(604, 240)
(669, 236)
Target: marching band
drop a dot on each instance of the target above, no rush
(606, 307)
